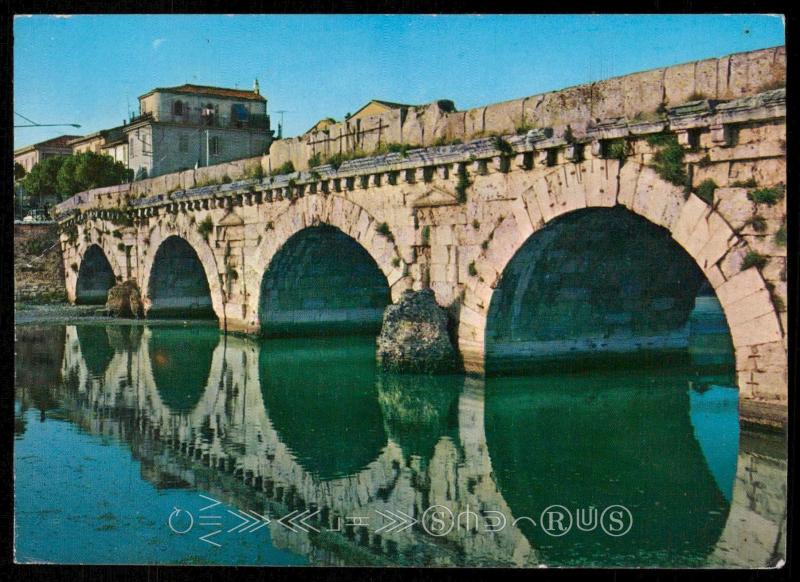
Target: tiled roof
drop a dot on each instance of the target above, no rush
(62, 141)
(211, 91)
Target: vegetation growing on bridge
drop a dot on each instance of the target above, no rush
(754, 259)
(668, 160)
(768, 196)
(705, 191)
(285, 168)
(205, 226)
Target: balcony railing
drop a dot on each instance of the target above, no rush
(252, 121)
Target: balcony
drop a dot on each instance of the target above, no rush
(196, 119)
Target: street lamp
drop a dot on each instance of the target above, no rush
(34, 124)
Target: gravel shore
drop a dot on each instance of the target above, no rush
(64, 313)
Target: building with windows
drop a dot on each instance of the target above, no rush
(194, 125)
(29, 156)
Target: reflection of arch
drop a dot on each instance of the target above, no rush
(95, 277)
(699, 229)
(200, 250)
(322, 279)
(180, 362)
(632, 434)
(95, 348)
(351, 219)
(327, 415)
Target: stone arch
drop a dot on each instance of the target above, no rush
(348, 217)
(95, 275)
(754, 325)
(161, 233)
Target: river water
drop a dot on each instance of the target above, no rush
(176, 445)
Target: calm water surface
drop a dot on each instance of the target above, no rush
(177, 445)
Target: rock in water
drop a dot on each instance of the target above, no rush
(414, 336)
(124, 300)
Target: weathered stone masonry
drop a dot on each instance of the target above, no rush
(452, 217)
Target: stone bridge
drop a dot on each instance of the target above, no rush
(229, 434)
(555, 238)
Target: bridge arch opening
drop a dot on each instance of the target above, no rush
(178, 286)
(320, 282)
(95, 277)
(604, 284)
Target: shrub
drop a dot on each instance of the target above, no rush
(472, 270)
(754, 259)
(705, 191)
(475, 224)
(314, 161)
(668, 160)
(205, 226)
(396, 262)
(284, 168)
(768, 196)
(256, 172)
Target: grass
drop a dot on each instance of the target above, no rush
(749, 183)
(705, 191)
(426, 235)
(668, 161)
(768, 196)
(754, 259)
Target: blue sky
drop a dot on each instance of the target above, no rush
(90, 69)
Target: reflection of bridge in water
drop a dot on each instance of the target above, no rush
(249, 438)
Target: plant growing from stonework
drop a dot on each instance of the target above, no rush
(754, 259)
(505, 148)
(705, 191)
(757, 223)
(616, 149)
(285, 168)
(74, 267)
(768, 196)
(472, 270)
(462, 183)
(396, 262)
(205, 226)
(780, 235)
(384, 230)
(426, 235)
(749, 183)
(315, 160)
(668, 160)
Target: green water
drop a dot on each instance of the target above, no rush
(119, 427)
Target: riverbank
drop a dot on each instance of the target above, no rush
(66, 314)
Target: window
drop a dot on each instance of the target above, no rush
(215, 146)
(177, 108)
(183, 143)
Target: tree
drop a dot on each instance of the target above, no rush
(89, 170)
(42, 180)
(19, 171)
